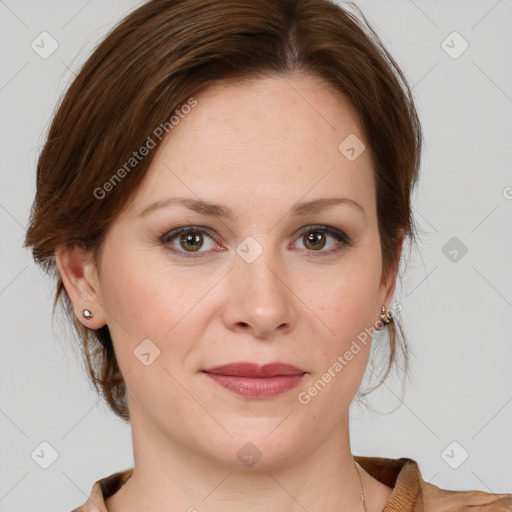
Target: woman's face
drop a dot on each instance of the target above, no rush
(274, 281)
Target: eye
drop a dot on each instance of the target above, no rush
(193, 241)
(316, 238)
(189, 240)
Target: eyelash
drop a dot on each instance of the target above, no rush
(340, 236)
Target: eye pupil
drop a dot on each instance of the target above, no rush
(191, 241)
(316, 239)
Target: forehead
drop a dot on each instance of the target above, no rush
(266, 140)
(279, 111)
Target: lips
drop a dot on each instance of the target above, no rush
(254, 381)
(254, 370)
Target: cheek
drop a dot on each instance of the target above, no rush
(144, 303)
(128, 294)
(342, 345)
(347, 300)
(344, 313)
(145, 297)
(136, 296)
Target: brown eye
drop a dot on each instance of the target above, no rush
(191, 241)
(315, 240)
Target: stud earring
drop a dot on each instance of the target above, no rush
(87, 314)
(386, 316)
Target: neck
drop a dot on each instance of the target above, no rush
(170, 476)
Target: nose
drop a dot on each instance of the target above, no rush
(259, 297)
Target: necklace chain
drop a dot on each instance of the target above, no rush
(363, 501)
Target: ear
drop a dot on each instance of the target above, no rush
(387, 286)
(80, 278)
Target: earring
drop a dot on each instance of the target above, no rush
(87, 314)
(386, 316)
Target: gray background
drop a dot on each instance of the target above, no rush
(457, 314)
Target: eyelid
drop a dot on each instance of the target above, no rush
(343, 240)
(335, 232)
(184, 229)
(173, 233)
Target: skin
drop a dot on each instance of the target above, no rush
(256, 148)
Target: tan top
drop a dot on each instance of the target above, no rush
(410, 492)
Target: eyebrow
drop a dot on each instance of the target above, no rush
(299, 209)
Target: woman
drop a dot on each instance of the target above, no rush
(223, 198)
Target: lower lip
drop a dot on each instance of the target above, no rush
(257, 387)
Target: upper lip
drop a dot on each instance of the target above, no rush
(245, 369)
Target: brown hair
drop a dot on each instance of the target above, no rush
(150, 65)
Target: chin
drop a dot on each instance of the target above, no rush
(257, 444)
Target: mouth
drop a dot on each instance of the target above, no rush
(255, 381)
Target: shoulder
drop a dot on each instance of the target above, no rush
(102, 489)
(437, 499)
(412, 494)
